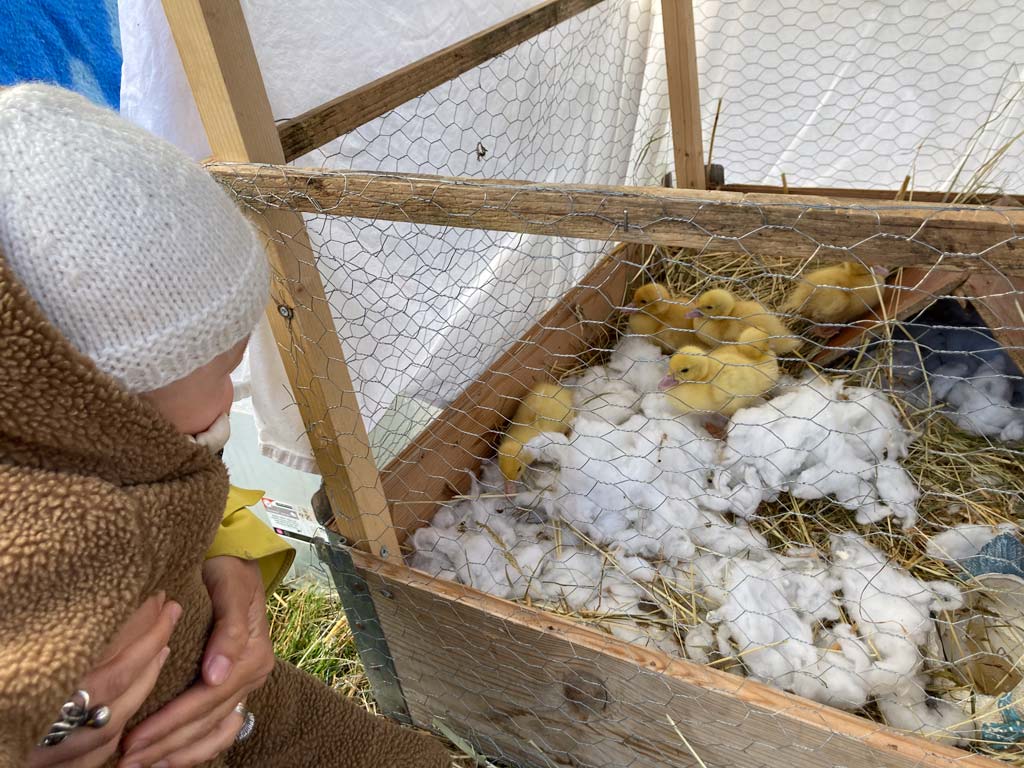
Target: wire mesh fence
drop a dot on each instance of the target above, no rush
(779, 437)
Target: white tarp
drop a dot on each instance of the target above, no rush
(860, 93)
(839, 93)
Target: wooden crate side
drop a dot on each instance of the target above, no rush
(999, 300)
(543, 690)
(438, 462)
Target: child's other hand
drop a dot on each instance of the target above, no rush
(122, 681)
(202, 722)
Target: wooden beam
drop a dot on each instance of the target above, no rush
(441, 459)
(846, 193)
(683, 93)
(999, 300)
(538, 689)
(888, 233)
(327, 122)
(213, 40)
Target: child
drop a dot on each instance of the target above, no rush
(129, 283)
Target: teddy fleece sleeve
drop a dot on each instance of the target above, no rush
(73, 566)
(242, 534)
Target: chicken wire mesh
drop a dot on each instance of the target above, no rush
(778, 437)
(851, 94)
(583, 102)
(832, 94)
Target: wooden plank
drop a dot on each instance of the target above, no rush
(999, 300)
(440, 459)
(225, 77)
(683, 93)
(540, 689)
(847, 193)
(888, 233)
(327, 122)
(913, 290)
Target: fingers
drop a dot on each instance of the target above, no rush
(216, 741)
(87, 747)
(236, 589)
(237, 660)
(178, 740)
(122, 683)
(227, 642)
(200, 703)
(235, 586)
(140, 622)
(112, 679)
(203, 701)
(94, 759)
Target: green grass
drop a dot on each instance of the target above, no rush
(308, 628)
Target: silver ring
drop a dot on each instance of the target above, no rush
(98, 717)
(248, 723)
(75, 713)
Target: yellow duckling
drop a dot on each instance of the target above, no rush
(657, 313)
(725, 379)
(838, 294)
(547, 408)
(721, 317)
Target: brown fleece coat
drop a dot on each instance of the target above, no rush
(102, 503)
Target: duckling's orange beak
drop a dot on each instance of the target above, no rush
(629, 309)
(694, 313)
(667, 383)
(510, 488)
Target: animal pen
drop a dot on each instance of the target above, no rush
(827, 578)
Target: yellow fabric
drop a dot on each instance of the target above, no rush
(242, 534)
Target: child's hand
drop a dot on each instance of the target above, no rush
(202, 722)
(122, 681)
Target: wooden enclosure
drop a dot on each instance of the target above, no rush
(533, 687)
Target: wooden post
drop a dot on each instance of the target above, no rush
(215, 47)
(683, 93)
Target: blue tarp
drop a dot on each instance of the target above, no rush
(73, 43)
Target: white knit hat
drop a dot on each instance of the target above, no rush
(131, 250)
